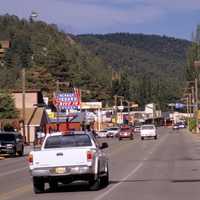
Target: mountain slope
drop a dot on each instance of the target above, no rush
(153, 63)
(49, 56)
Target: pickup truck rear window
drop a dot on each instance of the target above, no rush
(61, 141)
(147, 127)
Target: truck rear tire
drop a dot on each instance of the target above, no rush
(38, 185)
(142, 138)
(105, 180)
(95, 184)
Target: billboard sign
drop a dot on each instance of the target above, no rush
(68, 101)
(91, 105)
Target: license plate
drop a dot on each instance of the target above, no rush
(60, 170)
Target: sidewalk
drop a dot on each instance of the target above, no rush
(194, 134)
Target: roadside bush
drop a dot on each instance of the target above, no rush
(192, 124)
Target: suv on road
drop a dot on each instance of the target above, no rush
(125, 132)
(112, 132)
(11, 143)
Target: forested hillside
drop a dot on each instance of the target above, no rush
(48, 56)
(155, 65)
(139, 67)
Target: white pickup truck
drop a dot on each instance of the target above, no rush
(148, 130)
(68, 157)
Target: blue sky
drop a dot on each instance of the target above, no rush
(176, 18)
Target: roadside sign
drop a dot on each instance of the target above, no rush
(120, 107)
(179, 105)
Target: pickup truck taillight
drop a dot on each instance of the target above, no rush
(90, 155)
(30, 159)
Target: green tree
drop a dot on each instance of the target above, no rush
(7, 107)
(193, 55)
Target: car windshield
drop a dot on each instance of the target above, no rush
(6, 137)
(61, 141)
(149, 127)
(125, 129)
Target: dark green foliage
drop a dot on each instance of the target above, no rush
(155, 65)
(7, 107)
(149, 68)
(49, 55)
(194, 55)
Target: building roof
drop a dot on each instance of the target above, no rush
(34, 116)
(27, 91)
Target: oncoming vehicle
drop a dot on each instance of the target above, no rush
(112, 132)
(179, 125)
(175, 126)
(11, 143)
(102, 133)
(125, 132)
(69, 157)
(148, 130)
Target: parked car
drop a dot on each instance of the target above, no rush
(125, 132)
(112, 132)
(11, 143)
(102, 133)
(69, 157)
(148, 130)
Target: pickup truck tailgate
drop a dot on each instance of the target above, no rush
(148, 132)
(61, 157)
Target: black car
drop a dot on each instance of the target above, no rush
(11, 143)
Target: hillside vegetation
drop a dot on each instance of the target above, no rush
(140, 67)
(49, 56)
(155, 65)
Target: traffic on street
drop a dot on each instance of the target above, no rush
(166, 168)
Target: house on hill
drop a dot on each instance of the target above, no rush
(4, 45)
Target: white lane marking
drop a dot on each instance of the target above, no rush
(12, 171)
(132, 172)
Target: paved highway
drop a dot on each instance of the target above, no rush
(163, 169)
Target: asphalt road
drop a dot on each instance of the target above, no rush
(167, 168)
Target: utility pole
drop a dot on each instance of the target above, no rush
(188, 115)
(24, 102)
(193, 98)
(57, 119)
(115, 101)
(197, 101)
(190, 104)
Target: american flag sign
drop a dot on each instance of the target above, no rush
(68, 101)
